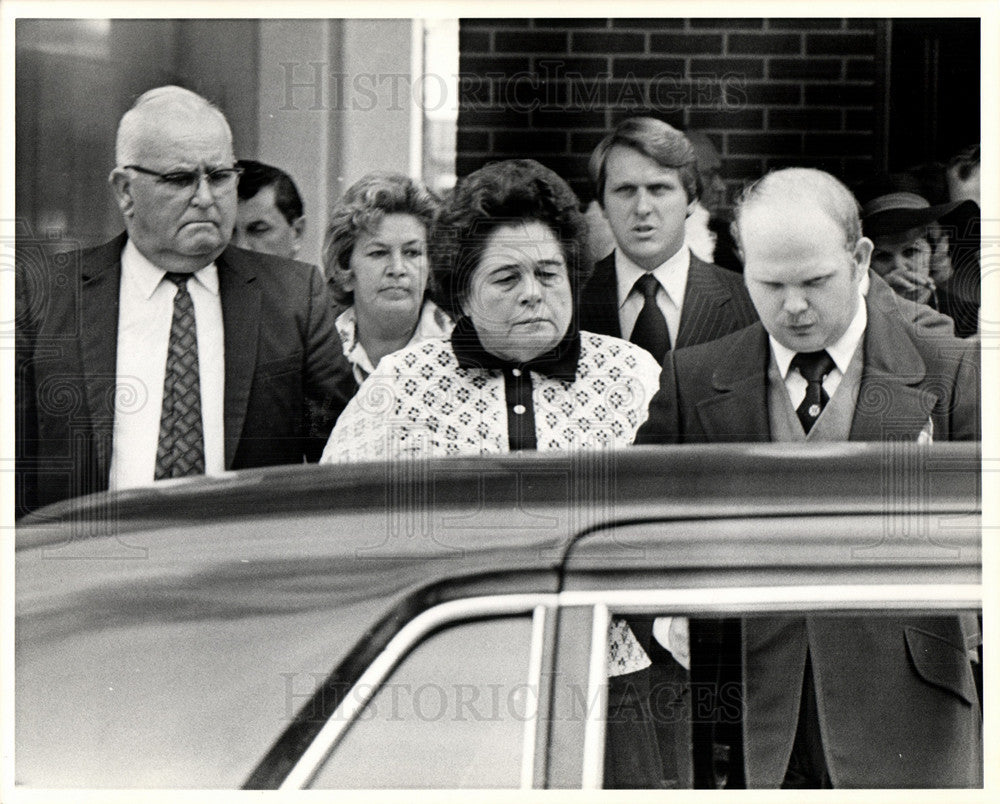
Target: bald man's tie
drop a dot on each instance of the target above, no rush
(181, 449)
(650, 330)
(813, 366)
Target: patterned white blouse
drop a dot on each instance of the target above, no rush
(420, 403)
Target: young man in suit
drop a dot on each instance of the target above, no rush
(651, 289)
(166, 352)
(834, 701)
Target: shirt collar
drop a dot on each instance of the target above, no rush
(146, 276)
(433, 323)
(842, 351)
(671, 274)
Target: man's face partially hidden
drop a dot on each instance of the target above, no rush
(261, 226)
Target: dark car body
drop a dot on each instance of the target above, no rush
(240, 631)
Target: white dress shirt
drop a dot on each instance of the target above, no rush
(842, 351)
(146, 307)
(672, 277)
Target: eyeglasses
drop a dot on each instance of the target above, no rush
(188, 180)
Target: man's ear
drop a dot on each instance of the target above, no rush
(121, 186)
(863, 254)
(692, 206)
(298, 229)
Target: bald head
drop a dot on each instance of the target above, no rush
(797, 188)
(174, 182)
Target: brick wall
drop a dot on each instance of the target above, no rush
(769, 92)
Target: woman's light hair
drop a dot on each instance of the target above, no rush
(361, 209)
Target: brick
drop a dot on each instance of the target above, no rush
(527, 93)
(857, 168)
(464, 165)
(558, 68)
(765, 94)
(518, 142)
(752, 119)
(861, 69)
(473, 41)
(607, 42)
(726, 24)
(529, 42)
(563, 23)
(840, 95)
(830, 164)
(471, 141)
(839, 144)
(859, 120)
(706, 93)
(474, 90)
(744, 68)
(862, 24)
(744, 167)
(674, 117)
(647, 68)
(763, 44)
(494, 22)
(686, 43)
(765, 144)
(569, 119)
(840, 44)
(649, 24)
(584, 142)
(804, 119)
(492, 65)
(812, 69)
(492, 118)
(805, 24)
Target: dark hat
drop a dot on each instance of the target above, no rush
(892, 204)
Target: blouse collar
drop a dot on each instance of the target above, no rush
(560, 362)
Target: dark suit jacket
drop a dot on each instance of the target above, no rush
(715, 303)
(896, 696)
(280, 349)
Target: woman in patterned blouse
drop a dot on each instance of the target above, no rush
(509, 256)
(375, 260)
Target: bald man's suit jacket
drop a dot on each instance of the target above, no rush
(280, 348)
(897, 703)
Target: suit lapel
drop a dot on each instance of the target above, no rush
(239, 293)
(599, 301)
(739, 410)
(892, 403)
(702, 311)
(99, 302)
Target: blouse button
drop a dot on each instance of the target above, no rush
(519, 409)
(516, 372)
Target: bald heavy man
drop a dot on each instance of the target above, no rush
(166, 352)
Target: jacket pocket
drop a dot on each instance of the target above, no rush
(941, 663)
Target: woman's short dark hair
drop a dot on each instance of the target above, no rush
(361, 209)
(504, 194)
(653, 138)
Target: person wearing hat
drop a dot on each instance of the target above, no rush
(911, 248)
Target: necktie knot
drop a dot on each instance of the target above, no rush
(647, 285)
(178, 279)
(813, 366)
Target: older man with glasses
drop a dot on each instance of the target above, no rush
(167, 353)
